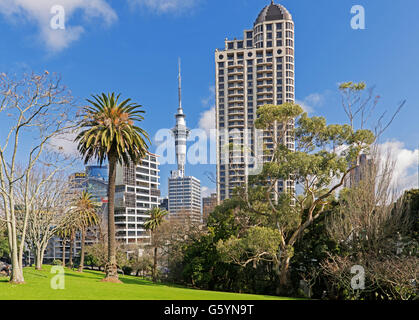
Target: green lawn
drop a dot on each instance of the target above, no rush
(87, 286)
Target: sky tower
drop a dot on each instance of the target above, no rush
(184, 192)
(181, 133)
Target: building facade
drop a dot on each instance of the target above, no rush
(136, 192)
(185, 198)
(97, 183)
(251, 72)
(208, 206)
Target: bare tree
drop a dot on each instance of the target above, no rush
(38, 108)
(48, 209)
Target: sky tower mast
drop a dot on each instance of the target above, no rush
(181, 133)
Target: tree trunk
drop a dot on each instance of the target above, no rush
(83, 237)
(38, 261)
(70, 257)
(155, 265)
(284, 285)
(63, 254)
(17, 272)
(111, 266)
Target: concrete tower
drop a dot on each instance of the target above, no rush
(181, 133)
(184, 192)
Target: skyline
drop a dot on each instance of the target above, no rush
(325, 56)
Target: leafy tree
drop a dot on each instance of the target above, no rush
(153, 223)
(315, 166)
(109, 132)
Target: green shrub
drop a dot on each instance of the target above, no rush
(127, 270)
(57, 262)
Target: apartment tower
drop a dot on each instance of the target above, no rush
(251, 72)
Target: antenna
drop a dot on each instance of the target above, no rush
(180, 85)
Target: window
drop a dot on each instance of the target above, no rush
(231, 45)
(240, 44)
(249, 34)
(221, 64)
(279, 26)
(269, 35)
(249, 44)
(268, 27)
(279, 34)
(279, 43)
(269, 44)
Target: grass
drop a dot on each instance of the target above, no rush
(87, 286)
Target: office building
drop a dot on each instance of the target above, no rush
(136, 193)
(97, 182)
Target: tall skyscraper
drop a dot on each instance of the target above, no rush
(136, 192)
(184, 192)
(251, 72)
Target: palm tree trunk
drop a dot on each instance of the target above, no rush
(155, 265)
(70, 258)
(111, 266)
(64, 243)
(83, 238)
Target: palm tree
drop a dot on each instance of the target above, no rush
(65, 233)
(109, 132)
(156, 218)
(85, 216)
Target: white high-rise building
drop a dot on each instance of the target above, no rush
(136, 192)
(251, 72)
(184, 192)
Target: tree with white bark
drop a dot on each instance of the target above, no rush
(48, 210)
(38, 108)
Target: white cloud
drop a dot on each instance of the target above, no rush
(64, 143)
(206, 191)
(207, 120)
(39, 12)
(311, 101)
(405, 171)
(210, 100)
(165, 6)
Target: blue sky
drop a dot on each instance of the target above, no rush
(132, 47)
